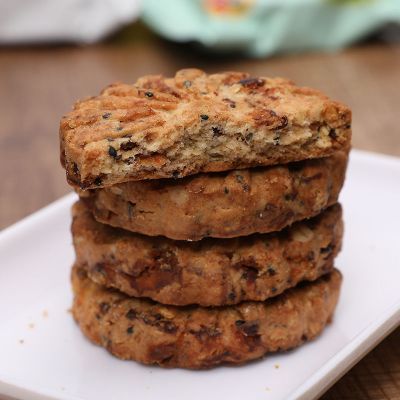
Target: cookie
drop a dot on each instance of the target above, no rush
(173, 127)
(197, 337)
(222, 205)
(209, 272)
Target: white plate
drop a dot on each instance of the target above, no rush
(43, 355)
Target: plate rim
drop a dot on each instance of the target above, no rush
(338, 365)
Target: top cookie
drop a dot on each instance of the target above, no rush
(172, 127)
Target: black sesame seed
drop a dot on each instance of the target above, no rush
(216, 131)
(245, 186)
(290, 196)
(158, 317)
(187, 84)
(168, 327)
(129, 331)
(271, 271)
(226, 190)
(131, 208)
(131, 314)
(99, 267)
(98, 181)
(250, 329)
(148, 94)
(239, 322)
(112, 152)
(327, 249)
(239, 178)
(119, 128)
(232, 296)
(332, 134)
(249, 137)
(106, 115)
(204, 117)
(127, 146)
(104, 307)
(75, 168)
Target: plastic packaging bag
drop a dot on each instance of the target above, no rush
(263, 27)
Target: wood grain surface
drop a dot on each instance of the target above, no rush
(38, 85)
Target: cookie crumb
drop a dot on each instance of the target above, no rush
(45, 314)
(276, 366)
(31, 325)
(21, 341)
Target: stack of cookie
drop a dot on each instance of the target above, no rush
(208, 221)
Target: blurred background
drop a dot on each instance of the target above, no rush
(53, 52)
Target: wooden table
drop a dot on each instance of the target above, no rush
(38, 85)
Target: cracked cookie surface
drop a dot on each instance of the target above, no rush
(222, 205)
(209, 272)
(173, 127)
(196, 337)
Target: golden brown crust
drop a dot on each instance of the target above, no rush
(224, 205)
(196, 337)
(173, 127)
(209, 272)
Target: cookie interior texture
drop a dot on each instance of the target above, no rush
(211, 271)
(197, 337)
(173, 127)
